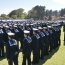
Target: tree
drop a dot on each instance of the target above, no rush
(40, 11)
(50, 13)
(14, 12)
(19, 13)
(47, 13)
(4, 16)
(62, 12)
(32, 14)
(37, 12)
(50, 18)
(55, 13)
(14, 16)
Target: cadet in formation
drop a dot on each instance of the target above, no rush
(64, 31)
(35, 46)
(12, 49)
(39, 39)
(1, 43)
(27, 42)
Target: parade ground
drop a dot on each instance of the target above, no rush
(57, 57)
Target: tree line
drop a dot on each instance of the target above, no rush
(37, 13)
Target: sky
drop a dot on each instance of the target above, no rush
(7, 6)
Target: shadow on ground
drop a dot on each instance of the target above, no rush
(41, 62)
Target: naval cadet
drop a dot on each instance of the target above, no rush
(17, 34)
(1, 43)
(55, 36)
(35, 46)
(27, 41)
(47, 41)
(42, 42)
(59, 34)
(21, 34)
(51, 38)
(16, 31)
(64, 32)
(12, 49)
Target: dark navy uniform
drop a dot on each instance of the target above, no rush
(51, 38)
(41, 42)
(47, 41)
(5, 36)
(59, 34)
(16, 31)
(35, 46)
(21, 35)
(12, 51)
(64, 31)
(1, 43)
(55, 36)
(27, 48)
(17, 34)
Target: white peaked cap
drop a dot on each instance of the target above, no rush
(54, 25)
(44, 27)
(31, 24)
(15, 26)
(35, 29)
(7, 26)
(10, 34)
(40, 28)
(27, 24)
(49, 26)
(26, 31)
(22, 24)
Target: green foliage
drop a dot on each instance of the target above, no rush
(19, 13)
(37, 12)
(14, 12)
(40, 13)
(32, 14)
(4, 16)
(48, 14)
(62, 12)
(14, 16)
(55, 13)
(50, 18)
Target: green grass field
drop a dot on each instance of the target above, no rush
(57, 57)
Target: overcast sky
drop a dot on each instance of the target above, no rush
(8, 5)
